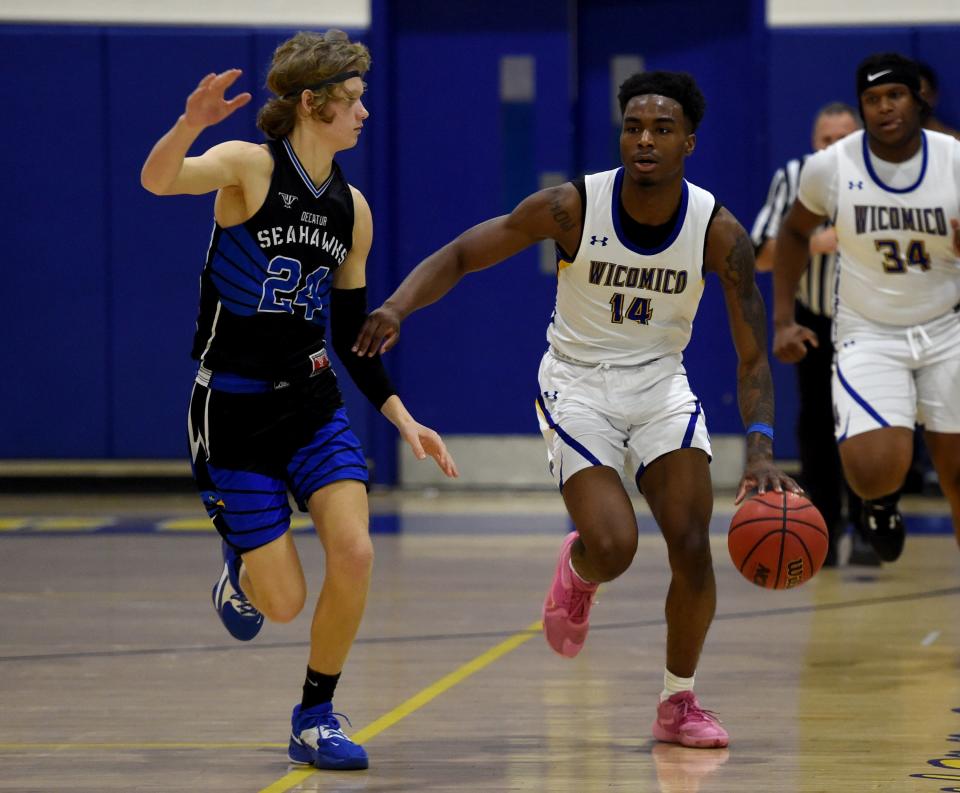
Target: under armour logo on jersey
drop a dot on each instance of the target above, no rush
(287, 199)
(852, 184)
(550, 394)
(601, 240)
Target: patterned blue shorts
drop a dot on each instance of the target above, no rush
(248, 449)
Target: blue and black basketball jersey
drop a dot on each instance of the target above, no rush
(265, 287)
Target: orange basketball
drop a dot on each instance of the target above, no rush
(777, 540)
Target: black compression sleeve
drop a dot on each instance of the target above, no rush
(349, 310)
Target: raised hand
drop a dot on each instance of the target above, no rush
(207, 105)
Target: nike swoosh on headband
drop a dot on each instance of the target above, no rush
(872, 77)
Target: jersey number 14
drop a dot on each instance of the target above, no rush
(639, 309)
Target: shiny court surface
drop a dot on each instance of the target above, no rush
(115, 674)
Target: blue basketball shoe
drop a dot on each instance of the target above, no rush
(237, 614)
(316, 739)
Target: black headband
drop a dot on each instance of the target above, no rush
(890, 72)
(337, 78)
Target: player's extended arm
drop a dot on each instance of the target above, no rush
(792, 258)
(548, 214)
(730, 256)
(168, 170)
(348, 312)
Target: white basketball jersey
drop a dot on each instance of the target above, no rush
(621, 304)
(897, 266)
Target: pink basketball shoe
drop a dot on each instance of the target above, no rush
(566, 610)
(680, 719)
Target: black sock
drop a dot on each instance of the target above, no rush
(318, 688)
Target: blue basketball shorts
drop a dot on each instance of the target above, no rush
(252, 443)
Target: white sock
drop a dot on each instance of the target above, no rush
(579, 577)
(674, 685)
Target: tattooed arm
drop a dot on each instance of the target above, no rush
(729, 254)
(553, 213)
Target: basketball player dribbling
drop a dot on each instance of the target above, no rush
(894, 190)
(287, 257)
(634, 245)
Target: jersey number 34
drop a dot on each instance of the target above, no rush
(893, 262)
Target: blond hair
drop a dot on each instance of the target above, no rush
(303, 61)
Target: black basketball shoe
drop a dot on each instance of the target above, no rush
(883, 525)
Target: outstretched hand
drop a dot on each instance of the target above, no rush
(762, 475)
(425, 441)
(790, 342)
(207, 105)
(379, 333)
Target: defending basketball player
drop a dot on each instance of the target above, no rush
(287, 256)
(894, 190)
(613, 391)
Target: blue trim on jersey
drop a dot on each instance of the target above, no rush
(876, 179)
(239, 268)
(573, 444)
(235, 384)
(615, 213)
(233, 296)
(316, 191)
(636, 478)
(859, 399)
(691, 426)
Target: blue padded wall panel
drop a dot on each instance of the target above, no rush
(469, 363)
(158, 244)
(938, 47)
(798, 85)
(53, 324)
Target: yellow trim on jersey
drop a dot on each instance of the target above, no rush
(562, 264)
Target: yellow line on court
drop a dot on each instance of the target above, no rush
(71, 524)
(204, 524)
(186, 524)
(417, 701)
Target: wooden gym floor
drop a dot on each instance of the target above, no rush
(115, 674)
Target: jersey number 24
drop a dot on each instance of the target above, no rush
(280, 293)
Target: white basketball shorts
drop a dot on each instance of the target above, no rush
(888, 376)
(621, 416)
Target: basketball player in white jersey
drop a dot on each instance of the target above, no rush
(634, 245)
(893, 191)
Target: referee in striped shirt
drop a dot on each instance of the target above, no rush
(819, 459)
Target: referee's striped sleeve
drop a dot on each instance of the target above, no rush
(768, 220)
